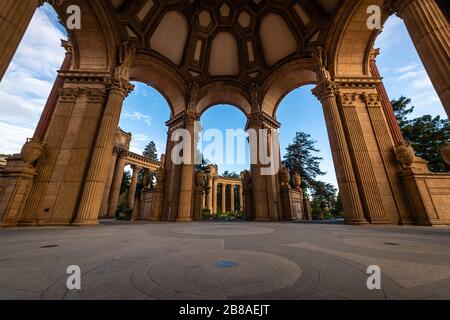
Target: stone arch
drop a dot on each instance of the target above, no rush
(223, 93)
(350, 43)
(288, 77)
(94, 47)
(163, 78)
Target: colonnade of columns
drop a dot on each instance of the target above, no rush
(212, 197)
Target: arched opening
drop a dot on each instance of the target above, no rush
(139, 148)
(305, 149)
(225, 154)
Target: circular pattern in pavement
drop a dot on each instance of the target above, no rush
(223, 230)
(203, 275)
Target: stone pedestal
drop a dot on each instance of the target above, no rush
(198, 208)
(15, 185)
(428, 194)
(292, 201)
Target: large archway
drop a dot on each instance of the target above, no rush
(251, 55)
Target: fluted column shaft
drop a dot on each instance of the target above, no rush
(351, 200)
(115, 188)
(430, 31)
(209, 202)
(186, 195)
(107, 191)
(133, 186)
(224, 198)
(241, 199)
(15, 16)
(214, 195)
(98, 172)
(232, 197)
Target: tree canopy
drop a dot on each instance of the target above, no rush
(426, 134)
(301, 158)
(151, 151)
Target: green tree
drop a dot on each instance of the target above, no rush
(232, 174)
(339, 207)
(126, 182)
(301, 158)
(426, 134)
(151, 151)
(324, 197)
(204, 165)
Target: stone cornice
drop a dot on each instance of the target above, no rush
(262, 120)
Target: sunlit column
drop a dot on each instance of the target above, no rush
(224, 198)
(98, 172)
(115, 188)
(232, 197)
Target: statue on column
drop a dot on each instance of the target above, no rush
(254, 94)
(194, 92)
(122, 72)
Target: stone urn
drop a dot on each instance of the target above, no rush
(32, 150)
(285, 177)
(297, 181)
(405, 154)
(445, 151)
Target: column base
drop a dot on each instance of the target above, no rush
(184, 220)
(356, 222)
(8, 225)
(381, 222)
(85, 223)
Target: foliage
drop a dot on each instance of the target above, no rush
(204, 165)
(232, 174)
(151, 151)
(124, 209)
(324, 198)
(301, 158)
(229, 215)
(126, 182)
(426, 134)
(339, 207)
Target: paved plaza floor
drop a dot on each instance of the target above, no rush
(213, 260)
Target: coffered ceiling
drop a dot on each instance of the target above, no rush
(240, 39)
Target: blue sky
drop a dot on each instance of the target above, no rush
(29, 79)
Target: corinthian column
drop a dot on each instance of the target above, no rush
(430, 31)
(134, 181)
(325, 92)
(115, 187)
(91, 200)
(15, 16)
(185, 205)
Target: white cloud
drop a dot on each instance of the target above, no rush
(28, 81)
(13, 137)
(137, 116)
